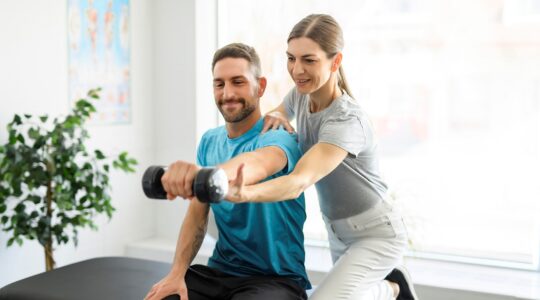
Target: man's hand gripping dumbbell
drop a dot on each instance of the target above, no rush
(186, 180)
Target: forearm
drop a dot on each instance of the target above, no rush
(318, 162)
(278, 189)
(190, 238)
(258, 165)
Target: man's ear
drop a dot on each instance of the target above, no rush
(337, 61)
(262, 86)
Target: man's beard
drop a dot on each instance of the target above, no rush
(244, 112)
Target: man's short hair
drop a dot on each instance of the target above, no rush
(239, 50)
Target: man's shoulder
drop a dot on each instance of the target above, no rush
(213, 133)
(279, 136)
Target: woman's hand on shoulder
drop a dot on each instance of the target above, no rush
(274, 119)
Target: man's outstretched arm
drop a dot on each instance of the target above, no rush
(259, 164)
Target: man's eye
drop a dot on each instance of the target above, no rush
(238, 82)
(218, 85)
(310, 61)
(290, 58)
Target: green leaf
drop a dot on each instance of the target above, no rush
(10, 242)
(99, 154)
(33, 133)
(122, 156)
(20, 138)
(35, 199)
(20, 208)
(3, 208)
(12, 139)
(17, 120)
(94, 93)
(5, 219)
(44, 118)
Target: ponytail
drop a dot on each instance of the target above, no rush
(342, 82)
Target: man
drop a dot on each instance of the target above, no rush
(259, 253)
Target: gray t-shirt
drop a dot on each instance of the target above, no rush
(355, 185)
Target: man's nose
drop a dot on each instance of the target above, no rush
(228, 91)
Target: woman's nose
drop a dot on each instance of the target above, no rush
(297, 68)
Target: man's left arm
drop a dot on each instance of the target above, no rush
(258, 165)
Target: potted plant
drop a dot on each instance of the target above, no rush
(51, 184)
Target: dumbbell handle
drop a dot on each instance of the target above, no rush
(209, 186)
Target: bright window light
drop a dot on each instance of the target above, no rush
(454, 94)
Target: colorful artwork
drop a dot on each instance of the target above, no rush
(98, 48)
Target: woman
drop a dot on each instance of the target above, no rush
(367, 236)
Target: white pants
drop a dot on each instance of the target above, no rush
(365, 248)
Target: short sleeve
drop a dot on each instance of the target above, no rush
(288, 103)
(285, 141)
(201, 161)
(346, 132)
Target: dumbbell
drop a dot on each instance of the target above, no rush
(210, 184)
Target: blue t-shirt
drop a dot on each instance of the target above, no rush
(257, 239)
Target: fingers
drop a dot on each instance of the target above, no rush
(236, 185)
(183, 294)
(178, 179)
(161, 291)
(288, 127)
(267, 124)
(150, 294)
(274, 121)
(178, 170)
(188, 182)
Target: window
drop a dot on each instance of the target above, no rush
(454, 94)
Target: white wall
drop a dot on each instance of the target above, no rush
(167, 75)
(184, 43)
(33, 79)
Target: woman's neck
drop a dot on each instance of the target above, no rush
(323, 97)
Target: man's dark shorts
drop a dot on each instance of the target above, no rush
(205, 283)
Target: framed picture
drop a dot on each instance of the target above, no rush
(99, 56)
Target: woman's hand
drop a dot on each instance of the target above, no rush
(274, 119)
(236, 191)
(170, 285)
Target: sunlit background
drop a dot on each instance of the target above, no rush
(453, 89)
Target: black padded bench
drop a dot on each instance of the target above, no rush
(118, 278)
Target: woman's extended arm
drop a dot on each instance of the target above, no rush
(318, 162)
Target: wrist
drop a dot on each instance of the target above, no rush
(178, 271)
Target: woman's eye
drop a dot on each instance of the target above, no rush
(310, 61)
(290, 58)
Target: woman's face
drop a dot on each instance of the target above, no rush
(308, 65)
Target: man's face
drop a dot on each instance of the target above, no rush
(236, 89)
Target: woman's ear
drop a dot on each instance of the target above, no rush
(337, 61)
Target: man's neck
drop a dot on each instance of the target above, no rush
(237, 129)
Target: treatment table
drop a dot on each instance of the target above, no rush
(118, 278)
